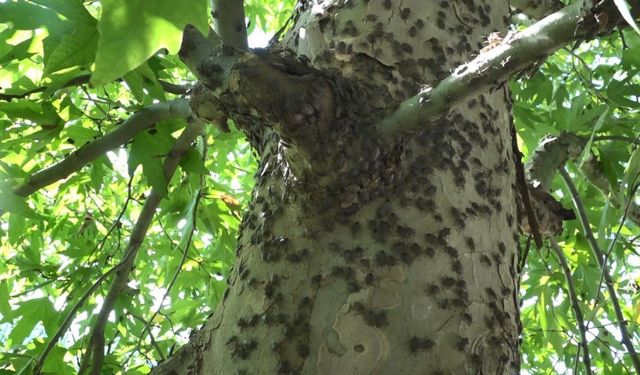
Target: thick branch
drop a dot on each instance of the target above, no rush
(70, 316)
(95, 348)
(599, 256)
(228, 16)
(196, 48)
(139, 121)
(275, 86)
(553, 152)
(497, 65)
(178, 269)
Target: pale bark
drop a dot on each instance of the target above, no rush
(228, 18)
(362, 253)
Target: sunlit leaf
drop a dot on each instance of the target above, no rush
(132, 31)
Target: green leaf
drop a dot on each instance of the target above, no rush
(69, 9)
(78, 247)
(132, 31)
(34, 248)
(609, 162)
(149, 149)
(29, 313)
(57, 80)
(631, 57)
(12, 203)
(586, 152)
(24, 15)
(16, 228)
(76, 47)
(78, 134)
(621, 91)
(72, 30)
(192, 162)
(55, 362)
(19, 51)
(633, 169)
(542, 313)
(21, 362)
(143, 84)
(98, 173)
(577, 106)
(29, 110)
(5, 307)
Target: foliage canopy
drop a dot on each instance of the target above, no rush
(73, 71)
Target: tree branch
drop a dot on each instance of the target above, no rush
(169, 87)
(69, 318)
(228, 16)
(72, 82)
(573, 297)
(604, 269)
(523, 187)
(195, 47)
(95, 347)
(178, 269)
(553, 152)
(496, 66)
(173, 88)
(244, 83)
(139, 121)
(620, 138)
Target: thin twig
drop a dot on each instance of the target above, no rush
(69, 318)
(615, 238)
(185, 256)
(600, 258)
(139, 121)
(573, 297)
(95, 348)
(169, 87)
(154, 343)
(116, 223)
(586, 82)
(183, 260)
(620, 138)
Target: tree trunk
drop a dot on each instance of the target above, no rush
(361, 252)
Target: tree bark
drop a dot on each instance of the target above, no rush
(361, 253)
